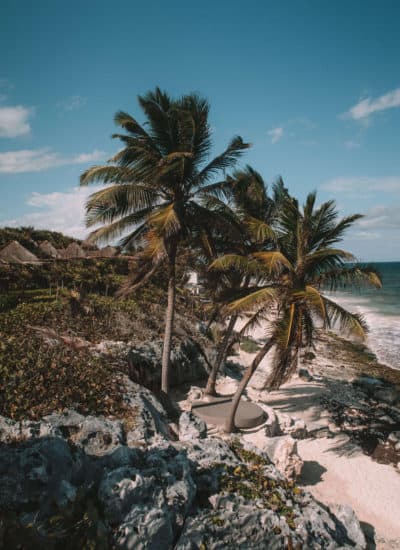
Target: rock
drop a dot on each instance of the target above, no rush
(64, 486)
(271, 425)
(397, 446)
(387, 394)
(386, 419)
(348, 518)
(191, 427)
(394, 437)
(309, 356)
(282, 451)
(318, 429)
(303, 374)
(298, 429)
(188, 364)
(11, 431)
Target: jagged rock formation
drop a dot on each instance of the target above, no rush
(71, 481)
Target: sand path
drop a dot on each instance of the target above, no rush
(335, 471)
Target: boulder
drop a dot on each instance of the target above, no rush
(282, 451)
(304, 374)
(188, 364)
(349, 520)
(191, 427)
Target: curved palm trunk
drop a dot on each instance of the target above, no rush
(221, 356)
(230, 421)
(169, 322)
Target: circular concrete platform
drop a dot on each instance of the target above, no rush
(216, 410)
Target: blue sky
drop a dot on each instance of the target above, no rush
(314, 86)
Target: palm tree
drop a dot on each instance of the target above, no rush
(295, 276)
(256, 212)
(160, 184)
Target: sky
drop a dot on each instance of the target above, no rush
(313, 85)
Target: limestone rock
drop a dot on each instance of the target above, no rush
(282, 451)
(191, 427)
(348, 518)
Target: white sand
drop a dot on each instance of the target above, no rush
(335, 471)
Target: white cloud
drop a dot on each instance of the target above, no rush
(363, 184)
(14, 121)
(37, 160)
(381, 217)
(58, 211)
(364, 108)
(276, 134)
(72, 103)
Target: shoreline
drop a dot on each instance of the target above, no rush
(336, 469)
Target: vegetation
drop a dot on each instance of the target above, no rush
(30, 237)
(258, 253)
(161, 193)
(293, 275)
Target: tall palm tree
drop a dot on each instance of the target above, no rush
(295, 276)
(256, 212)
(159, 184)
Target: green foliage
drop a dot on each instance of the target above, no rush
(249, 345)
(90, 275)
(37, 378)
(250, 481)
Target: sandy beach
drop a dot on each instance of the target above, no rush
(335, 470)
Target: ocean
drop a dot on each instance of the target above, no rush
(381, 310)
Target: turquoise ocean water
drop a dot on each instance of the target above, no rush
(381, 310)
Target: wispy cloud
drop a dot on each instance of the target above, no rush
(37, 160)
(14, 121)
(72, 103)
(381, 217)
(276, 134)
(362, 184)
(366, 107)
(351, 144)
(58, 211)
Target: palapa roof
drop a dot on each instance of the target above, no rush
(47, 248)
(74, 250)
(106, 252)
(14, 252)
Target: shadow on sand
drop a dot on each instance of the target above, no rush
(311, 473)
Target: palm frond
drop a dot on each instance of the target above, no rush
(351, 323)
(356, 276)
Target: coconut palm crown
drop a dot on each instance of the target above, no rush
(296, 274)
(162, 188)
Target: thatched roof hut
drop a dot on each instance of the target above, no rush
(106, 252)
(74, 250)
(15, 253)
(88, 245)
(48, 249)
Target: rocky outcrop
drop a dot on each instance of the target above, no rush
(191, 427)
(73, 481)
(188, 364)
(282, 451)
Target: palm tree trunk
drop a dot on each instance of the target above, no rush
(221, 356)
(169, 322)
(230, 421)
